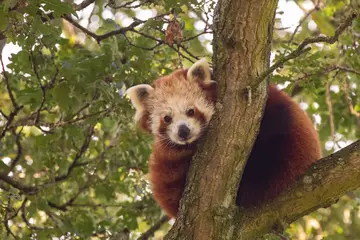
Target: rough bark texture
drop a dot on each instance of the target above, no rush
(325, 182)
(242, 37)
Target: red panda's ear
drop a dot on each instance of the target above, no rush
(199, 71)
(210, 89)
(139, 96)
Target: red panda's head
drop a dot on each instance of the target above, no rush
(178, 107)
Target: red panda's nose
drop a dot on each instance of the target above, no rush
(183, 131)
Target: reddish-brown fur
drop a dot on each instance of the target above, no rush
(286, 146)
(168, 168)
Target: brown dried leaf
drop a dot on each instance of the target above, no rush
(173, 33)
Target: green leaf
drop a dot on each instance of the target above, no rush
(61, 95)
(83, 223)
(357, 107)
(105, 190)
(323, 23)
(3, 21)
(59, 8)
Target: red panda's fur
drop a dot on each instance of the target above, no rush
(286, 146)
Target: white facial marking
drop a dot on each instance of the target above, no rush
(191, 123)
(174, 101)
(174, 97)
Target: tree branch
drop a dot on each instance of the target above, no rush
(330, 107)
(316, 8)
(150, 232)
(123, 30)
(348, 99)
(303, 48)
(64, 207)
(23, 188)
(19, 150)
(128, 4)
(7, 218)
(83, 148)
(207, 207)
(346, 69)
(23, 216)
(43, 90)
(7, 83)
(83, 4)
(16, 109)
(28, 120)
(131, 28)
(324, 183)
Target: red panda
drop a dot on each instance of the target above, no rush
(177, 109)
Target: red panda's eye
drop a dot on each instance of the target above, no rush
(190, 112)
(167, 119)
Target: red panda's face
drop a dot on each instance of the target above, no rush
(179, 111)
(177, 108)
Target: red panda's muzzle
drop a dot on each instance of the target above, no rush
(183, 132)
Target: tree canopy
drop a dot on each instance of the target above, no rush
(74, 165)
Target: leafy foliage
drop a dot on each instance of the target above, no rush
(325, 82)
(72, 162)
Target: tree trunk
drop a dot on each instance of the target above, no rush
(242, 41)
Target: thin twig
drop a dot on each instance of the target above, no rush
(4, 115)
(7, 83)
(188, 52)
(16, 212)
(348, 99)
(9, 121)
(36, 120)
(196, 36)
(296, 53)
(64, 207)
(144, 48)
(19, 150)
(350, 70)
(83, 4)
(28, 122)
(85, 106)
(123, 30)
(6, 221)
(17, 108)
(128, 5)
(330, 110)
(54, 218)
(303, 48)
(316, 8)
(83, 148)
(23, 216)
(131, 28)
(150, 232)
(23, 188)
(324, 71)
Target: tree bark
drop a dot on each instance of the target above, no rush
(325, 182)
(242, 41)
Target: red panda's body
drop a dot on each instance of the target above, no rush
(286, 146)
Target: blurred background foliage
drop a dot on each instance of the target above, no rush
(72, 163)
